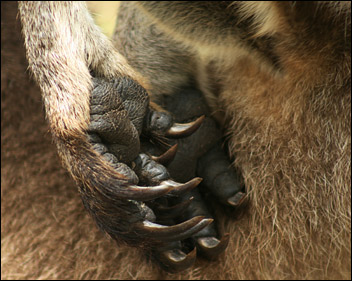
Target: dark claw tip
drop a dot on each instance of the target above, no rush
(146, 193)
(167, 157)
(237, 199)
(212, 247)
(175, 260)
(172, 233)
(180, 188)
(180, 130)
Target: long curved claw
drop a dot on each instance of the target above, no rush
(147, 193)
(118, 202)
(176, 232)
(182, 130)
(176, 260)
(180, 188)
(166, 157)
(211, 247)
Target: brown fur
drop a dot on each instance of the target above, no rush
(292, 142)
(292, 139)
(63, 59)
(280, 84)
(45, 231)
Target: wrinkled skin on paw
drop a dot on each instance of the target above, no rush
(119, 108)
(127, 132)
(117, 111)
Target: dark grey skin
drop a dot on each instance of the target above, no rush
(198, 155)
(118, 118)
(201, 155)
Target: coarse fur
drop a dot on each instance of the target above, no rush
(288, 125)
(63, 61)
(277, 75)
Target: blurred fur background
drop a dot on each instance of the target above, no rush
(47, 234)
